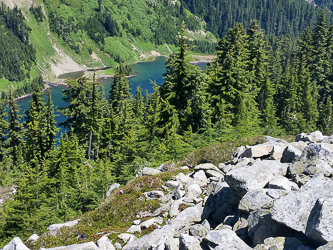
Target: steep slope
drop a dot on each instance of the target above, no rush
(73, 35)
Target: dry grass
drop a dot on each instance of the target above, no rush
(218, 153)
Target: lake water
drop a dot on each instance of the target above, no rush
(145, 72)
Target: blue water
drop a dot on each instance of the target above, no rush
(145, 72)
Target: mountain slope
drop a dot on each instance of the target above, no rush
(72, 35)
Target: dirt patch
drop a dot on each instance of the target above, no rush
(19, 3)
(94, 56)
(154, 53)
(64, 64)
(203, 58)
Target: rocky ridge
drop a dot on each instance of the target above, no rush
(276, 195)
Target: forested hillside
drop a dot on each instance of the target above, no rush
(53, 37)
(276, 17)
(255, 86)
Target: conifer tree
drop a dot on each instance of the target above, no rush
(154, 115)
(50, 124)
(309, 103)
(233, 82)
(3, 129)
(119, 89)
(34, 123)
(78, 99)
(258, 66)
(180, 85)
(15, 129)
(319, 63)
(95, 120)
(138, 103)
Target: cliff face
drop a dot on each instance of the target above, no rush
(275, 195)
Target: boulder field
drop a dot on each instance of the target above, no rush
(276, 195)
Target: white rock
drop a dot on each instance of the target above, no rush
(150, 171)
(105, 244)
(188, 216)
(15, 244)
(207, 166)
(174, 209)
(194, 191)
(152, 221)
(154, 240)
(319, 226)
(187, 242)
(172, 184)
(112, 187)
(172, 244)
(84, 246)
(254, 177)
(281, 182)
(213, 173)
(227, 239)
(33, 237)
(54, 228)
(257, 151)
(118, 246)
(259, 199)
(182, 178)
(278, 152)
(294, 209)
(275, 141)
(198, 178)
(126, 237)
(136, 222)
(133, 229)
(316, 136)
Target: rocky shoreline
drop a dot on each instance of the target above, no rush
(275, 195)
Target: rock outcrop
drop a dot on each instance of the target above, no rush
(276, 195)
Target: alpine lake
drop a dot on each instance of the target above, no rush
(145, 74)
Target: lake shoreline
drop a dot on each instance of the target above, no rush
(88, 73)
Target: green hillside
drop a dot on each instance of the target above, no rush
(67, 36)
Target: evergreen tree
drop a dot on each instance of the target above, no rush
(50, 124)
(119, 89)
(15, 129)
(78, 99)
(180, 86)
(319, 63)
(34, 123)
(95, 120)
(309, 103)
(232, 84)
(3, 129)
(259, 67)
(138, 103)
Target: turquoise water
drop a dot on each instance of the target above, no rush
(145, 72)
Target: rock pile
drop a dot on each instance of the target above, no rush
(276, 195)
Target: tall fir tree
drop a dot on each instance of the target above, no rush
(3, 129)
(34, 123)
(51, 129)
(15, 130)
(180, 87)
(119, 89)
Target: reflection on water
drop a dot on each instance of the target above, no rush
(72, 75)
